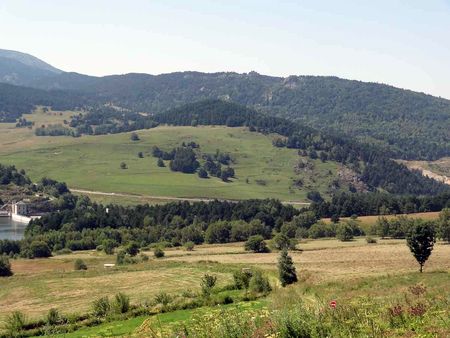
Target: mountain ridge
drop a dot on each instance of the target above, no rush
(407, 124)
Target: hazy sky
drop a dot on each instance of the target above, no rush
(403, 43)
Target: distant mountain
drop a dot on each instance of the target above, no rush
(22, 69)
(406, 124)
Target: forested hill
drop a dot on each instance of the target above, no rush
(15, 100)
(407, 124)
(375, 168)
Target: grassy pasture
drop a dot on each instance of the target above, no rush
(41, 284)
(93, 163)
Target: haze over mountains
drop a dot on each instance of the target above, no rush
(407, 124)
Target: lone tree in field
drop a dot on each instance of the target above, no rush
(134, 137)
(286, 269)
(421, 241)
(5, 266)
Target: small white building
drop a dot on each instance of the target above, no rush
(20, 208)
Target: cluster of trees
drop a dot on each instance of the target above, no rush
(375, 167)
(56, 130)
(101, 120)
(181, 158)
(22, 122)
(348, 204)
(9, 174)
(185, 159)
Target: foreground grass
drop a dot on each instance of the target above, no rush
(132, 327)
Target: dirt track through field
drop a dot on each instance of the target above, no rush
(166, 198)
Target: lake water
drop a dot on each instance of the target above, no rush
(10, 229)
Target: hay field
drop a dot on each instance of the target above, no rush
(41, 284)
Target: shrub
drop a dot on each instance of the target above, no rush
(189, 246)
(121, 303)
(281, 242)
(53, 317)
(120, 258)
(15, 323)
(79, 264)
(242, 279)
(259, 283)
(101, 307)
(344, 232)
(39, 249)
(256, 244)
(207, 284)
(132, 249)
(158, 253)
(143, 257)
(134, 137)
(163, 298)
(108, 246)
(63, 251)
(5, 266)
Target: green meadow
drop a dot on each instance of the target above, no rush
(93, 163)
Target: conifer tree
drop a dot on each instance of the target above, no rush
(286, 269)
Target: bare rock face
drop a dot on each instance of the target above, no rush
(346, 176)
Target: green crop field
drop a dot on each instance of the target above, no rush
(93, 163)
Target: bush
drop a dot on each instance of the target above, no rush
(79, 264)
(281, 242)
(371, 240)
(108, 246)
(134, 137)
(39, 249)
(15, 323)
(101, 307)
(242, 279)
(132, 249)
(207, 284)
(143, 257)
(121, 258)
(259, 283)
(189, 246)
(5, 266)
(163, 298)
(344, 232)
(256, 244)
(121, 303)
(158, 253)
(53, 317)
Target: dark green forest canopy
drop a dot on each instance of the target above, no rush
(406, 124)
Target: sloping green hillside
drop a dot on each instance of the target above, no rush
(93, 163)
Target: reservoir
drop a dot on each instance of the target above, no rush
(10, 229)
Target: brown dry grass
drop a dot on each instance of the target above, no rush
(371, 220)
(39, 285)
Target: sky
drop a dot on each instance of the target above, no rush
(402, 43)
